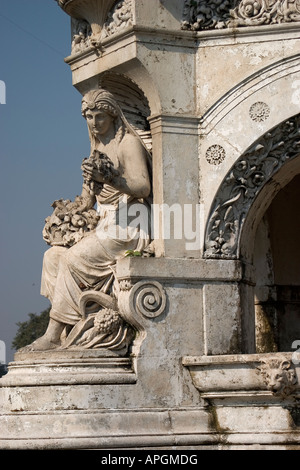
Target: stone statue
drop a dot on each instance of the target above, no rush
(87, 243)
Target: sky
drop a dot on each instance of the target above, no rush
(43, 139)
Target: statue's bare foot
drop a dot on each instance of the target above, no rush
(50, 340)
(41, 344)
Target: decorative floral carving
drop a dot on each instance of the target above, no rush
(125, 284)
(202, 14)
(259, 111)
(215, 155)
(118, 18)
(69, 222)
(279, 375)
(243, 183)
(257, 12)
(81, 35)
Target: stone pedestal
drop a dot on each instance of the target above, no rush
(91, 399)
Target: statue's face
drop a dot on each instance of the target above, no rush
(99, 122)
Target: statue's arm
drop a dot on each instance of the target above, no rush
(88, 199)
(134, 178)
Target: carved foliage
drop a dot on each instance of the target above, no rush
(279, 376)
(215, 14)
(69, 222)
(81, 35)
(118, 18)
(243, 183)
(201, 14)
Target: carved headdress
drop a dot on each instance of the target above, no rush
(101, 99)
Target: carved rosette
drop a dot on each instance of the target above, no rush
(242, 185)
(215, 155)
(217, 14)
(259, 111)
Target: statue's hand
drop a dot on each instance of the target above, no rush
(90, 172)
(98, 168)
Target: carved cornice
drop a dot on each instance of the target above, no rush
(201, 15)
(242, 185)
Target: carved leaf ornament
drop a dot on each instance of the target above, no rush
(242, 185)
(217, 14)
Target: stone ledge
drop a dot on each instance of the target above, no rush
(179, 269)
(251, 376)
(68, 367)
(106, 429)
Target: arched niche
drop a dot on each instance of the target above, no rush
(132, 100)
(250, 222)
(247, 190)
(276, 262)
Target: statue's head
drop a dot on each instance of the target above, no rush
(100, 99)
(100, 109)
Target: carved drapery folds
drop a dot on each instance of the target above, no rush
(111, 326)
(217, 14)
(243, 183)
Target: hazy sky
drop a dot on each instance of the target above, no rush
(43, 139)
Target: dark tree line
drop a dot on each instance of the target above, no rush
(30, 330)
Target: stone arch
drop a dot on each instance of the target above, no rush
(272, 78)
(241, 117)
(248, 188)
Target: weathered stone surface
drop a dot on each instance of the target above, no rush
(213, 90)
